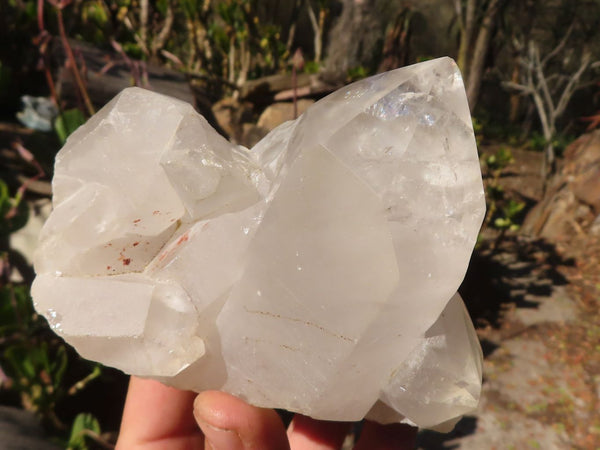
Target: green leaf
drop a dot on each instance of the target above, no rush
(8, 319)
(96, 13)
(20, 363)
(83, 422)
(5, 204)
(132, 49)
(59, 366)
(219, 37)
(499, 160)
(162, 6)
(189, 7)
(312, 67)
(67, 122)
(357, 73)
(16, 310)
(502, 222)
(513, 208)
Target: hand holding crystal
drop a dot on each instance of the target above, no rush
(157, 416)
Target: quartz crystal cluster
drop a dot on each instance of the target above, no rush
(316, 272)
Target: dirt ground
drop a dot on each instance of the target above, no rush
(535, 305)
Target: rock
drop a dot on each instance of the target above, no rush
(572, 201)
(265, 88)
(19, 430)
(273, 116)
(252, 134)
(277, 113)
(231, 115)
(316, 272)
(38, 113)
(595, 228)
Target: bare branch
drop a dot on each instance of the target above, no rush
(245, 59)
(517, 87)
(545, 91)
(470, 18)
(475, 72)
(231, 60)
(159, 40)
(560, 45)
(292, 29)
(517, 44)
(317, 31)
(144, 8)
(466, 21)
(573, 84)
(547, 126)
(173, 58)
(550, 93)
(458, 11)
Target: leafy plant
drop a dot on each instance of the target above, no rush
(67, 122)
(34, 362)
(37, 373)
(478, 130)
(245, 45)
(502, 213)
(357, 73)
(539, 143)
(33, 359)
(508, 217)
(496, 162)
(85, 428)
(13, 213)
(16, 310)
(311, 67)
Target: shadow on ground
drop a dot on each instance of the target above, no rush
(517, 272)
(510, 273)
(432, 440)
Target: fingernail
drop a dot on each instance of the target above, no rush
(216, 438)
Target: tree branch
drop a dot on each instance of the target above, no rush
(144, 8)
(559, 47)
(159, 40)
(315, 25)
(537, 64)
(517, 87)
(573, 84)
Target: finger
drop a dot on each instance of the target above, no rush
(155, 413)
(305, 433)
(229, 423)
(396, 436)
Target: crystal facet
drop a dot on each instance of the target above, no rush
(316, 272)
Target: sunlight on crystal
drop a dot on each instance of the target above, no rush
(316, 272)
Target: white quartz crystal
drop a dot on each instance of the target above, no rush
(316, 272)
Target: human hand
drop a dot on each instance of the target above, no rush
(157, 417)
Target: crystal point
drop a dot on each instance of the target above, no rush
(316, 272)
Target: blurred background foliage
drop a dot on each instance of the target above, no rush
(510, 51)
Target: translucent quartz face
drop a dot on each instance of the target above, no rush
(316, 272)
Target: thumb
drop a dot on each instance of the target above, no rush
(229, 423)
